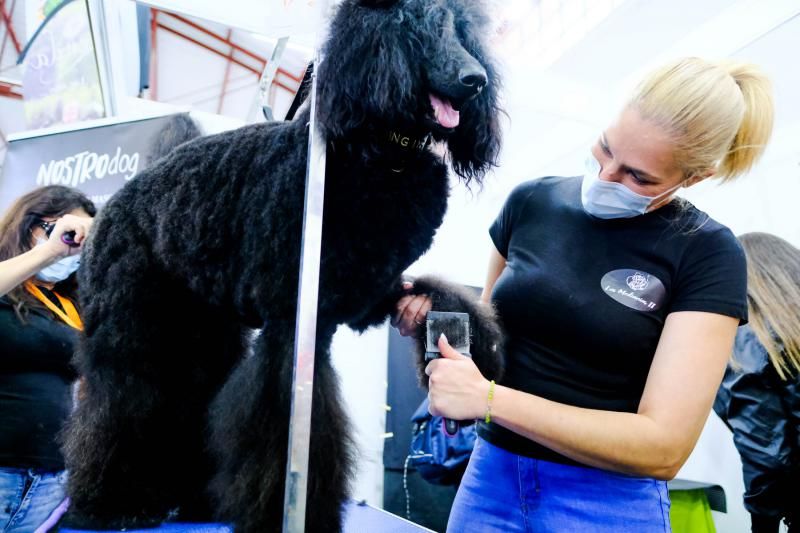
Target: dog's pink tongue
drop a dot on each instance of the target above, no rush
(444, 112)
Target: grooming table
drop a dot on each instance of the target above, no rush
(359, 518)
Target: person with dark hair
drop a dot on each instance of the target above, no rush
(38, 325)
(759, 399)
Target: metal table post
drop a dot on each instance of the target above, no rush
(294, 512)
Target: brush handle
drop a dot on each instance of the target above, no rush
(68, 238)
(450, 427)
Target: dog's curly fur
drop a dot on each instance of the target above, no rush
(205, 244)
(486, 335)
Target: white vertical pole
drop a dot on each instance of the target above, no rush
(99, 23)
(294, 511)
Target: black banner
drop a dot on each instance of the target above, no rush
(98, 161)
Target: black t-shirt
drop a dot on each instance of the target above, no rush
(35, 387)
(584, 300)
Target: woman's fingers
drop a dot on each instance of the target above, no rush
(411, 312)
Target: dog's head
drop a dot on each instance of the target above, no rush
(417, 67)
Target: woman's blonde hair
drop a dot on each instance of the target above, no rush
(720, 115)
(773, 298)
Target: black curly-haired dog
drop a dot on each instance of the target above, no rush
(205, 244)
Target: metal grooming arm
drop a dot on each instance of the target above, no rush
(294, 511)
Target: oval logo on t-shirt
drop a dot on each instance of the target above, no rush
(635, 289)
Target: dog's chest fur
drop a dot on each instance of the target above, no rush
(379, 218)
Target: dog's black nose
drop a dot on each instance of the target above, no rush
(473, 77)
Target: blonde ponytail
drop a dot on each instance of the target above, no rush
(756, 126)
(718, 115)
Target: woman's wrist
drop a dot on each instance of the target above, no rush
(18, 269)
(487, 416)
(44, 255)
(482, 401)
(497, 405)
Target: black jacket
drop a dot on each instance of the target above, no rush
(35, 388)
(763, 412)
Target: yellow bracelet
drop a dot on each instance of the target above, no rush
(488, 417)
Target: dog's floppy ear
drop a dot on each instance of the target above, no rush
(378, 3)
(475, 145)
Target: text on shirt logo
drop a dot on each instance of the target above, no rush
(634, 289)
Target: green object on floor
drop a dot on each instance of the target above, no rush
(690, 512)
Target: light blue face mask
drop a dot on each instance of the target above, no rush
(60, 270)
(609, 199)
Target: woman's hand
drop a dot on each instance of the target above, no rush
(411, 311)
(16, 270)
(456, 388)
(80, 225)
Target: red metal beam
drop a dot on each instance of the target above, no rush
(213, 50)
(5, 35)
(9, 26)
(153, 55)
(227, 41)
(10, 90)
(207, 47)
(227, 76)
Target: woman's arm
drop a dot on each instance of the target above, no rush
(17, 269)
(496, 265)
(655, 442)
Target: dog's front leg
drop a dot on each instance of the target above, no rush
(383, 309)
(486, 333)
(250, 430)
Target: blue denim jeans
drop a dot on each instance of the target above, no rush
(505, 492)
(27, 497)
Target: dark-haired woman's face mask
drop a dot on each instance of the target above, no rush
(61, 269)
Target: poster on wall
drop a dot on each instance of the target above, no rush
(97, 160)
(61, 83)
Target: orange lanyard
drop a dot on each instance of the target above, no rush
(71, 317)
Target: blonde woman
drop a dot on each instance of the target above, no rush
(760, 395)
(620, 304)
